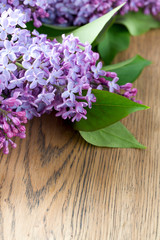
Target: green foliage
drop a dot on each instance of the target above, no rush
(108, 109)
(102, 127)
(115, 136)
(116, 39)
(51, 30)
(129, 70)
(89, 32)
(138, 22)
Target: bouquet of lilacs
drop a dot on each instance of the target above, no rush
(135, 17)
(62, 16)
(38, 75)
(76, 13)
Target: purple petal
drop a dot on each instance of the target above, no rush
(30, 78)
(7, 44)
(4, 22)
(42, 81)
(12, 56)
(26, 64)
(3, 35)
(33, 84)
(11, 67)
(5, 61)
(65, 94)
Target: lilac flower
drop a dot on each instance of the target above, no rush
(5, 67)
(9, 50)
(64, 69)
(69, 13)
(54, 57)
(70, 92)
(5, 27)
(80, 111)
(113, 85)
(47, 98)
(16, 82)
(90, 97)
(16, 18)
(30, 2)
(2, 83)
(12, 101)
(97, 70)
(4, 6)
(53, 76)
(11, 123)
(37, 11)
(29, 66)
(35, 77)
(30, 52)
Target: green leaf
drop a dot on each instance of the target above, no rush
(51, 30)
(138, 22)
(129, 70)
(115, 136)
(108, 109)
(90, 31)
(116, 39)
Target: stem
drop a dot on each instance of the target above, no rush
(56, 86)
(3, 111)
(19, 65)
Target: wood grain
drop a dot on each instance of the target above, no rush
(55, 186)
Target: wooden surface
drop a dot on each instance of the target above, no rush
(55, 186)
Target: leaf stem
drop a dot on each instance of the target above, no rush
(19, 65)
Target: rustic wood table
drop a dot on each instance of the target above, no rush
(56, 186)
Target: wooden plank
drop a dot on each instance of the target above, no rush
(55, 186)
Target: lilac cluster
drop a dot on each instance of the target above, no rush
(149, 6)
(79, 12)
(11, 122)
(37, 75)
(32, 9)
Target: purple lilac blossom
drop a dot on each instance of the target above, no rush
(32, 9)
(11, 122)
(79, 12)
(40, 75)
